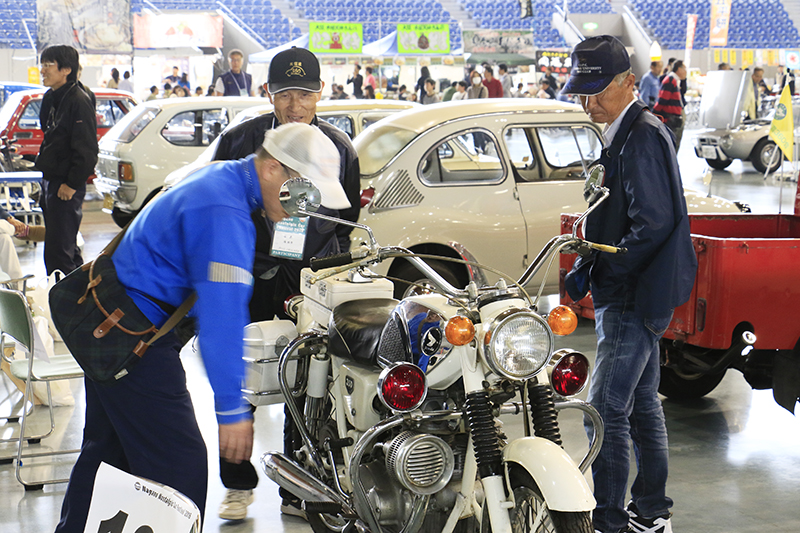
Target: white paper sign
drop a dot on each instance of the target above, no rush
(123, 503)
(289, 238)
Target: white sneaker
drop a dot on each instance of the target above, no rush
(234, 506)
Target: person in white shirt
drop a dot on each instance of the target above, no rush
(461, 91)
(126, 84)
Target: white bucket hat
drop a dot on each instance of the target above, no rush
(310, 153)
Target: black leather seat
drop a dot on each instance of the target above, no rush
(355, 328)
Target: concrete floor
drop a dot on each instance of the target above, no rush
(735, 458)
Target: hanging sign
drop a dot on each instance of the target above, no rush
(720, 20)
(423, 38)
(559, 60)
(335, 37)
(498, 42)
(177, 30)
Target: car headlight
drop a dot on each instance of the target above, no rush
(518, 344)
(726, 142)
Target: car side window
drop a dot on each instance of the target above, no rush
(108, 113)
(343, 122)
(518, 144)
(563, 154)
(469, 157)
(214, 121)
(180, 129)
(29, 119)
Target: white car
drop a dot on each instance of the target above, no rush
(481, 180)
(154, 139)
(350, 116)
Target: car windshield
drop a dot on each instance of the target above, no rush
(132, 124)
(8, 110)
(379, 144)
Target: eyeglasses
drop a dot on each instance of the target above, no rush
(47, 65)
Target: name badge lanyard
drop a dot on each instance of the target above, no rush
(242, 92)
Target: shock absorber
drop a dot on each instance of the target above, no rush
(480, 421)
(543, 411)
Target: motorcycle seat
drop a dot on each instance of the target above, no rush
(355, 328)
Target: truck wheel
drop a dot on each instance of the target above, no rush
(719, 164)
(762, 155)
(677, 385)
(419, 284)
(120, 217)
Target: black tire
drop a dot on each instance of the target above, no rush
(762, 154)
(418, 282)
(529, 501)
(719, 164)
(120, 217)
(677, 385)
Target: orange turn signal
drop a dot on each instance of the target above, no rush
(459, 331)
(562, 320)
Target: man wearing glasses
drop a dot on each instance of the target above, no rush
(634, 293)
(198, 238)
(66, 157)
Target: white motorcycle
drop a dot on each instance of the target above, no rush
(400, 399)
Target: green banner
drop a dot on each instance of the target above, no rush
(335, 37)
(423, 38)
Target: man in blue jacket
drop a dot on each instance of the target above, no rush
(196, 237)
(634, 294)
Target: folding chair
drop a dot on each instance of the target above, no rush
(16, 323)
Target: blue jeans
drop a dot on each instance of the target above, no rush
(624, 390)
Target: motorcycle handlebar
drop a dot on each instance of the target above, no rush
(318, 263)
(608, 249)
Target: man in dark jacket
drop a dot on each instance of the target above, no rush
(234, 82)
(66, 157)
(294, 88)
(634, 293)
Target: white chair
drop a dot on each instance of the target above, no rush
(16, 323)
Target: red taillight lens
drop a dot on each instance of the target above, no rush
(402, 387)
(366, 196)
(570, 373)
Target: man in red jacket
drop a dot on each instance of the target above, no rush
(492, 84)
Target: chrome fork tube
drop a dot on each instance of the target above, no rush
(297, 416)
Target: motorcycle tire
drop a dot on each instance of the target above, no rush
(529, 502)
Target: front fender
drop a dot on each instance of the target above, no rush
(563, 486)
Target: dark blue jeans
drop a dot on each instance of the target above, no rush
(624, 390)
(143, 424)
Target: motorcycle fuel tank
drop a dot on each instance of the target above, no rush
(324, 295)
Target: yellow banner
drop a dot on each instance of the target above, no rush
(772, 58)
(33, 75)
(733, 57)
(725, 56)
(782, 128)
(716, 56)
(720, 20)
(747, 58)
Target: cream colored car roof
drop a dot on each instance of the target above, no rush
(425, 117)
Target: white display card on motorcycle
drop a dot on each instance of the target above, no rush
(123, 503)
(289, 238)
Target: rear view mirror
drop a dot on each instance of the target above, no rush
(299, 196)
(593, 185)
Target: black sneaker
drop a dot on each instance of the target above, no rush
(640, 524)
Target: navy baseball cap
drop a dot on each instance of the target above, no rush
(295, 68)
(595, 62)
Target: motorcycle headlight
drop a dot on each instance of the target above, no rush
(518, 344)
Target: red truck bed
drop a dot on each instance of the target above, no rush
(748, 271)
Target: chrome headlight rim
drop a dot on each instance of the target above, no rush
(496, 324)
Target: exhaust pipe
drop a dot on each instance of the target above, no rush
(289, 476)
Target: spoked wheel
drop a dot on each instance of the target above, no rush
(531, 515)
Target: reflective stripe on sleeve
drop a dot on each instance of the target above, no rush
(222, 273)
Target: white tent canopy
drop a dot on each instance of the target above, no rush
(267, 55)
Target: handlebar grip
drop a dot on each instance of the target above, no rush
(609, 249)
(318, 263)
